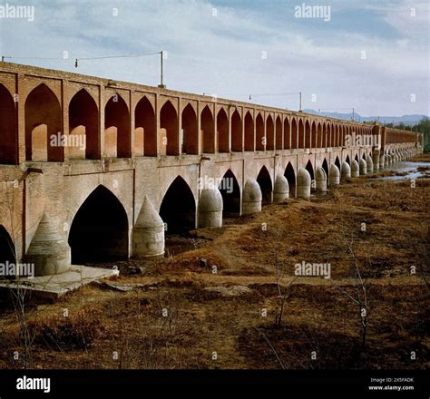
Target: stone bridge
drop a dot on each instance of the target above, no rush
(95, 169)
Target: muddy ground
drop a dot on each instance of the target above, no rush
(232, 299)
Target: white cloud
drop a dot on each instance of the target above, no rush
(222, 54)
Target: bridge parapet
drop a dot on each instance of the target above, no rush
(57, 116)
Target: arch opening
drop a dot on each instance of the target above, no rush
(313, 138)
(170, 132)
(301, 134)
(291, 177)
(222, 127)
(178, 208)
(208, 130)
(43, 126)
(325, 133)
(308, 135)
(117, 128)
(99, 230)
(236, 132)
(278, 141)
(190, 141)
(270, 134)
(260, 140)
(310, 169)
(265, 183)
(319, 136)
(230, 193)
(294, 134)
(249, 132)
(325, 166)
(84, 122)
(337, 162)
(8, 128)
(145, 141)
(287, 135)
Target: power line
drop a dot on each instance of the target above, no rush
(3, 57)
(161, 53)
(114, 56)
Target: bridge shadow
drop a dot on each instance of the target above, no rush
(99, 231)
(7, 248)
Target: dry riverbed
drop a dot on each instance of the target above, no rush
(233, 300)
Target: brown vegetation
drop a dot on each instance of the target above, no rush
(217, 306)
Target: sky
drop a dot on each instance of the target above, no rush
(370, 55)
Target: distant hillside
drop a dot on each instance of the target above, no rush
(406, 119)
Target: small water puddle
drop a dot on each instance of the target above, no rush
(408, 171)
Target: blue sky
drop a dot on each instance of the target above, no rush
(372, 55)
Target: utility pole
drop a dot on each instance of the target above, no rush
(162, 85)
(300, 101)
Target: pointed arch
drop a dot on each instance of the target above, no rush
(170, 126)
(266, 186)
(230, 192)
(43, 121)
(325, 166)
(259, 133)
(310, 169)
(319, 136)
(288, 144)
(8, 128)
(249, 133)
(278, 141)
(290, 175)
(301, 134)
(313, 138)
(207, 123)
(99, 231)
(117, 128)
(270, 134)
(236, 132)
(332, 134)
(337, 162)
(294, 134)
(325, 134)
(84, 121)
(190, 140)
(145, 124)
(223, 131)
(308, 133)
(178, 208)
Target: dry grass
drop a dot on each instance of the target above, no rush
(110, 329)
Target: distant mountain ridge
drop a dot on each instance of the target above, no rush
(406, 119)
